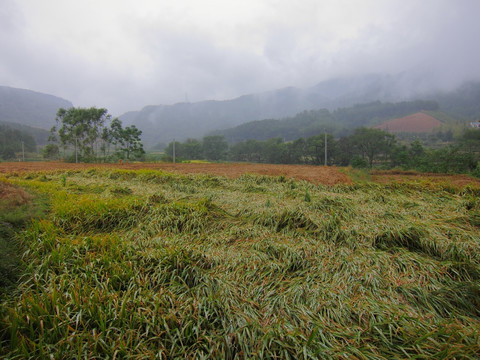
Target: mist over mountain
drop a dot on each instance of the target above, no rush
(163, 123)
(340, 122)
(30, 108)
(38, 134)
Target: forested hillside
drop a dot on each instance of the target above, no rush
(30, 108)
(337, 105)
(340, 122)
(162, 123)
(39, 135)
(463, 102)
(382, 98)
(14, 141)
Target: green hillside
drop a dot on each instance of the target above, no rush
(14, 141)
(339, 122)
(30, 108)
(463, 102)
(39, 135)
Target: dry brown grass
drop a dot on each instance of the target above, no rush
(12, 196)
(313, 174)
(398, 176)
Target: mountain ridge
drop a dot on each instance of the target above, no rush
(28, 107)
(163, 123)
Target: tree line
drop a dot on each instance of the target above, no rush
(364, 148)
(90, 134)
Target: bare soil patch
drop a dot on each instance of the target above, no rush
(415, 123)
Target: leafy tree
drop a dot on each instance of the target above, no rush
(416, 149)
(51, 151)
(371, 143)
(315, 149)
(296, 151)
(470, 141)
(343, 152)
(450, 159)
(358, 162)
(81, 128)
(179, 151)
(400, 157)
(192, 149)
(214, 147)
(249, 150)
(131, 143)
(86, 131)
(114, 134)
(126, 140)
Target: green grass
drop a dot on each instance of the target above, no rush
(145, 264)
(17, 208)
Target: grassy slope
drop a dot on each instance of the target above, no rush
(144, 263)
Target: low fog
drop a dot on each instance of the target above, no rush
(124, 55)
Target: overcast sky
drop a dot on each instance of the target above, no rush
(124, 55)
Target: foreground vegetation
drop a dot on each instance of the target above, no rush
(17, 208)
(146, 264)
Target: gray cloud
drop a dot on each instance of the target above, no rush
(125, 57)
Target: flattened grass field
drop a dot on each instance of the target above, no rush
(149, 264)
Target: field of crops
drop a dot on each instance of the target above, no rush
(149, 264)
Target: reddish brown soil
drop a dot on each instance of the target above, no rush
(416, 123)
(314, 174)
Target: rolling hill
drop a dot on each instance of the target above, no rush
(339, 122)
(351, 102)
(39, 135)
(163, 123)
(30, 108)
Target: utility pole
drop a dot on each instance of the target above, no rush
(174, 151)
(326, 147)
(23, 151)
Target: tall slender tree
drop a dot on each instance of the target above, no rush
(87, 130)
